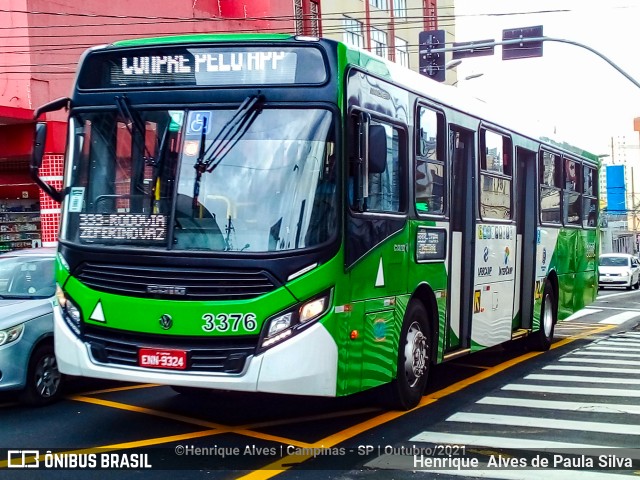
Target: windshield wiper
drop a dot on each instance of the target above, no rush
(225, 140)
(134, 125)
(230, 133)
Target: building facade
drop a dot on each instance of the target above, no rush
(620, 195)
(389, 28)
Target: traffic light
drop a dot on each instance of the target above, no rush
(526, 48)
(432, 64)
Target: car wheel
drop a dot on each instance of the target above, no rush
(541, 340)
(44, 380)
(637, 284)
(414, 359)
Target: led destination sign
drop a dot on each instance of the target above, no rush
(430, 244)
(207, 63)
(123, 226)
(200, 66)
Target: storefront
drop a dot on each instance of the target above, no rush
(28, 219)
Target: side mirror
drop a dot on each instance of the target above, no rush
(377, 149)
(37, 155)
(38, 145)
(39, 141)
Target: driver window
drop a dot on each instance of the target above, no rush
(384, 178)
(430, 167)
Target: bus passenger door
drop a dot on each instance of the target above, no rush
(527, 222)
(462, 242)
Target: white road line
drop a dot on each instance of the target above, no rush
(588, 407)
(591, 369)
(586, 379)
(608, 392)
(553, 424)
(620, 341)
(505, 442)
(605, 354)
(605, 297)
(581, 313)
(612, 349)
(533, 474)
(600, 360)
(620, 318)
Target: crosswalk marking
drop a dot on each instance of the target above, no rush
(585, 379)
(582, 313)
(548, 474)
(562, 405)
(609, 392)
(621, 341)
(556, 424)
(502, 442)
(611, 349)
(603, 361)
(592, 369)
(542, 404)
(610, 354)
(620, 318)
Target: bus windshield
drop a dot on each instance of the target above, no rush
(138, 178)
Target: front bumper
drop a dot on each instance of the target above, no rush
(614, 281)
(305, 364)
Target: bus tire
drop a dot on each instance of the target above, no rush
(414, 359)
(541, 340)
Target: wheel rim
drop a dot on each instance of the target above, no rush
(47, 376)
(416, 355)
(547, 320)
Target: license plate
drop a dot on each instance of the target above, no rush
(160, 358)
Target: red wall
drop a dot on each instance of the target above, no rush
(42, 42)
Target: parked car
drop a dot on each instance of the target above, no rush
(618, 270)
(27, 359)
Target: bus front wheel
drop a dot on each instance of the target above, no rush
(541, 340)
(414, 359)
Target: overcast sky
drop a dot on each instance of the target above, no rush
(569, 90)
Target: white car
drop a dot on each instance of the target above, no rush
(618, 270)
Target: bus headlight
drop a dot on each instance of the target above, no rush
(70, 312)
(290, 322)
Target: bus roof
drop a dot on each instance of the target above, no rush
(447, 95)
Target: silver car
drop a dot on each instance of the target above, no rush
(27, 359)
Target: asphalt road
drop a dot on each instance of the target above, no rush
(501, 413)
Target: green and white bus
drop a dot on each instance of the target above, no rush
(270, 213)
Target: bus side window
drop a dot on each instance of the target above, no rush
(590, 207)
(572, 189)
(430, 177)
(495, 176)
(550, 181)
(381, 190)
(384, 178)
